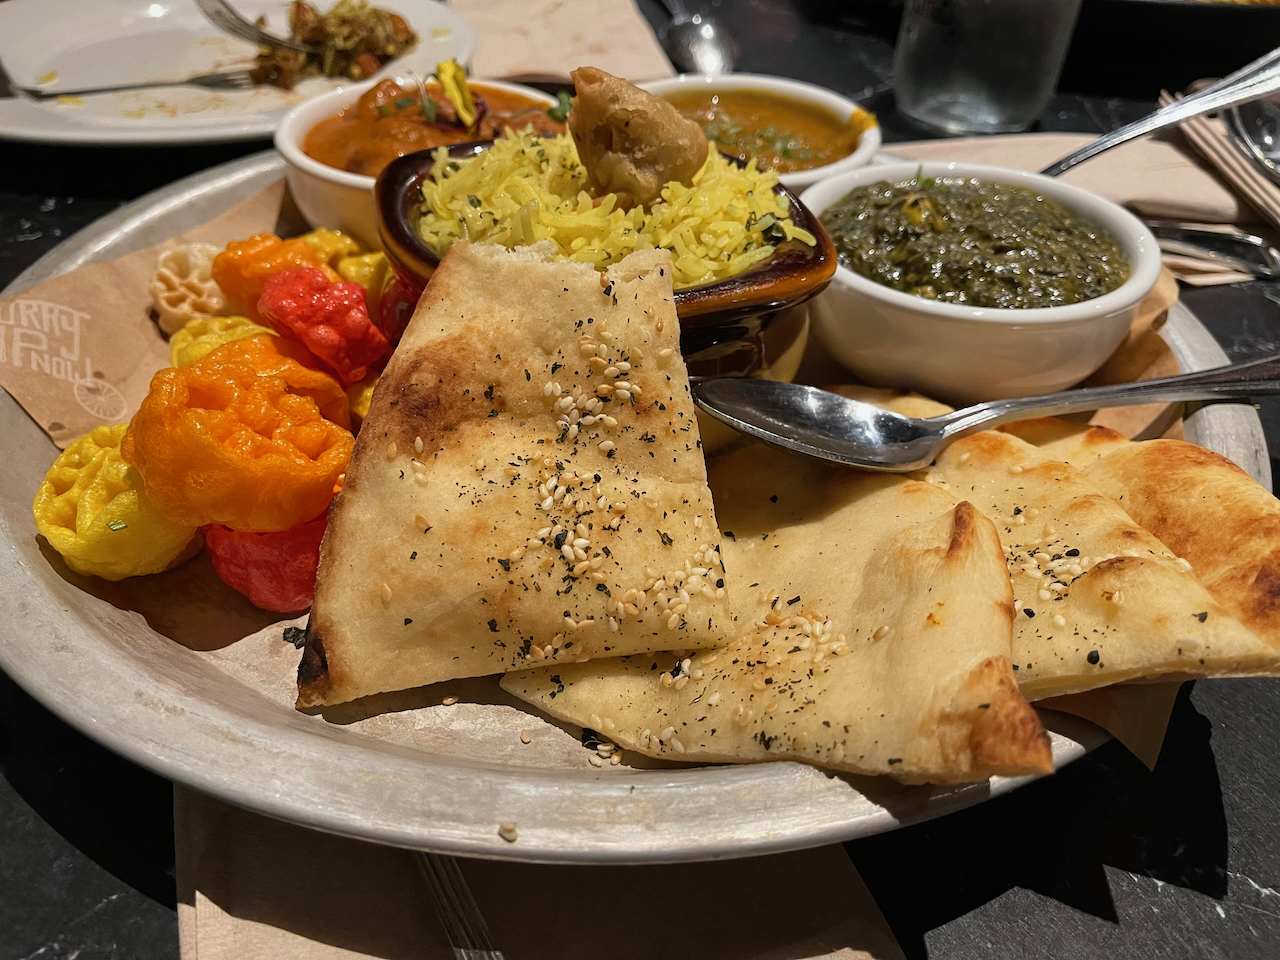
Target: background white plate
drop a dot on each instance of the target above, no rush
(72, 44)
(191, 717)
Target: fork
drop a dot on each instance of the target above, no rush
(464, 924)
(238, 80)
(223, 16)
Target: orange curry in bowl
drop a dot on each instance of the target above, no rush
(781, 132)
(388, 122)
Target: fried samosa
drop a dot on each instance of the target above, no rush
(1100, 600)
(631, 142)
(875, 621)
(529, 468)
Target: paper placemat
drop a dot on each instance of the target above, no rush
(251, 888)
(546, 39)
(79, 351)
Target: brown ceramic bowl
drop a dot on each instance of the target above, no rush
(733, 327)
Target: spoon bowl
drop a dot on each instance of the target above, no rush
(828, 426)
(1255, 127)
(698, 43)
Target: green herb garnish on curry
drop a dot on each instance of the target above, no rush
(973, 242)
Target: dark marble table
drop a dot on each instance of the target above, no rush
(1104, 859)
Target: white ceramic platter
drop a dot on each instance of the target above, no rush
(199, 718)
(54, 45)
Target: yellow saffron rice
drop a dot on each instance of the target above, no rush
(528, 188)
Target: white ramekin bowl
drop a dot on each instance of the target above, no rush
(964, 354)
(333, 198)
(868, 143)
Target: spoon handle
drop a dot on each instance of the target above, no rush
(679, 12)
(1248, 83)
(1233, 382)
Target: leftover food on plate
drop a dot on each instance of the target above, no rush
(352, 40)
(779, 132)
(719, 222)
(974, 243)
(873, 634)
(528, 486)
(389, 121)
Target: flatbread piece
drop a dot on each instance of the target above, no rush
(1100, 600)
(875, 623)
(1209, 512)
(530, 465)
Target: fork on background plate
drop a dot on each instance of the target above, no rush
(227, 19)
(237, 80)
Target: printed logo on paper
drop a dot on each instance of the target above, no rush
(45, 337)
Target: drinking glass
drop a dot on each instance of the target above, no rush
(980, 66)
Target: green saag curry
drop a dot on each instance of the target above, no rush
(973, 242)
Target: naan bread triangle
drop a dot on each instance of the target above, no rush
(1100, 600)
(530, 465)
(875, 617)
(1209, 512)
(1196, 502)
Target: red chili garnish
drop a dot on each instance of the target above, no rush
(276, 571)
(332, 319)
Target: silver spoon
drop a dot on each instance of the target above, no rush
(825, 425)
(1257, 79)
(698, 43)
(1239, 251)
(1255, 127)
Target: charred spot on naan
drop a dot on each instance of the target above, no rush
(966, 531)
(1265, 587)
(314, 681)
(1005, 733)
(432, 394)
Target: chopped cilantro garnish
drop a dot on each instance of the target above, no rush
(561, 110)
